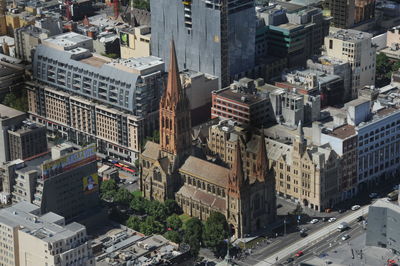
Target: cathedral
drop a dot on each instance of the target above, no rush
(241, 186)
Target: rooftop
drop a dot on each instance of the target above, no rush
(350, 35)
(243, 98)
(343, 132)
(8, 112)
(67, 39)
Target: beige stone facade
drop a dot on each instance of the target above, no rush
(135, 42)
(80, 120)
(305, 174)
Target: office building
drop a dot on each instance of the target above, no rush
(27, 141)
(349, 13)
(27, 39)
(135, 42)
(354, 47)
(225, 29)
(201, 187)
(383, 225)
(44, 180)
(18, 20)
(12, 77)
(241, 102)
(9, 118)
(30, 237)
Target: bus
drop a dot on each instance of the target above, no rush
(393, 195)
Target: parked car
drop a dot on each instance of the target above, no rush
(355, 207)
(314, 221)
(345, 237)
(341, 210)
(289, 260)
(373, 195)
(299, 253)
(360, 218)
(303, 234)
(325, 219)
(332, 219)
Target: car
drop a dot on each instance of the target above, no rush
(331, 220)
(278, 206)
(289, 260)
(341, 210)
(130, 182)
(314, 221)
(373, 195)
(325, 219)
(299, 253)
(360, 218)
(396, 187)
(355, 207)
(345, 237)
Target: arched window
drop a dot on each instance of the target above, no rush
(157, 174)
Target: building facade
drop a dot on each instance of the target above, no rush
(168, 170)
(354, 47)
(226, 29)
(135, 42)
(30, 237)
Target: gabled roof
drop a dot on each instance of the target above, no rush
(151, 150)
(201, 196)
(205, 170)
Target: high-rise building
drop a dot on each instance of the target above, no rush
(347, 13)
(30, 237)
(356, 48)
(213, 37)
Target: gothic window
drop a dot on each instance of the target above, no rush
(208, 188)
(256, 202)
(198, 184)
(157, 174)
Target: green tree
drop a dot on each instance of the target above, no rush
(142, 4)
(123, 196)
(156, 209)
(193, 235)
(172, 207)
(215, 232)
(108, 189)
(174, 222)
(138, 204)
(173, 236)
(17, 100)
(298, 210)
(134, 222)
(383, 69)
(151, 226)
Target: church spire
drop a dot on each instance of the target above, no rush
(262, 160)
(236, 175)
(175, 125)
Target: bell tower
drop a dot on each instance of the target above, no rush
(175, 125)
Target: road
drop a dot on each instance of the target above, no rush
(311, 239)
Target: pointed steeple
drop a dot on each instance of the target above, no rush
(262, 160)
(236, 175)
(300, 131)
(299, 143)
(174, 86)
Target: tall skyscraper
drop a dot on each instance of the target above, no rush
(214, 36)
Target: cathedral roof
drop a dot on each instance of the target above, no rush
(205, 170)
(201, 196)
(151, 150)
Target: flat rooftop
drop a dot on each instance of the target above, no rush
(343, 132)
(350, 35)
(237, 96)
(67, 39)
(8, 112)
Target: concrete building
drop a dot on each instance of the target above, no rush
(107, 44)
(334, 66)
(241, 102)
(135, 42)
(347, 14)
(69, 41)
(9, 118)
(30, 237)
(27, 39)
(305, 173)
(225, 29)
(383, 224)
(354, 47)
(26, 141)
(12, 77)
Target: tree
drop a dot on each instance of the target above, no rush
(172, 207)
(156, 209)
(123, 196)
(383, 69)
(17, 100)
(173, 236)
(108, 189)
(298, 210)
(134, 222)
(174, 222)
(151, 226)
(138, 204)
(142, 4)
(193, 235)
(216, 230)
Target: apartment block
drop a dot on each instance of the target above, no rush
(242, 103)
(82, 120)
(354, 47)
(11, 78)
(30, 237)
(135, 42)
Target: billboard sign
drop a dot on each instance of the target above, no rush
(90, 183)
(69, 161)
(124, 37)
